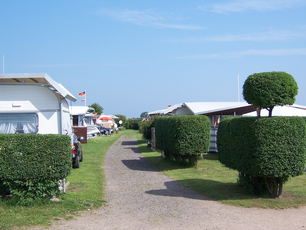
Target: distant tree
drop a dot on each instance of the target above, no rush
(269, 89)
(122, 118)
(144, 115)
(134, 123)
(97, 108)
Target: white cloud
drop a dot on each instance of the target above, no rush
(256, 5)
(282, 35)
(147, 18)
(272, 52)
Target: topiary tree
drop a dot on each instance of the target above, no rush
(268, 89)
(266, 151)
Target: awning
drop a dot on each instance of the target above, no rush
(42, 79)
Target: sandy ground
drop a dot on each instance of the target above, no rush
(139, 197)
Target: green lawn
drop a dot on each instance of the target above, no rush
(219, 183)
(85, 190)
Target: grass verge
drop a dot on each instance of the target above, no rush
(219, 183)
(85, 191)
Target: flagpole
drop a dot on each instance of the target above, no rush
(85, 98)
(238, 88)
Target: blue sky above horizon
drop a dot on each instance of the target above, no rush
(139, 55)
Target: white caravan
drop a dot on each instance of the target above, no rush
(34, 103)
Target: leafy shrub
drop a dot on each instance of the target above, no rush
(145, 129)
(120, 118)
(183, 137)
(269, 147)
(133, 123)
(127, 124)
(32, 164)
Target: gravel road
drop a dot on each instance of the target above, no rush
(140, 197)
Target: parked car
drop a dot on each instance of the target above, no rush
(104, 130)
(77, 152)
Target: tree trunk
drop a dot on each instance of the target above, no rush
(280, 187)
(275, 186)
(270, 111)
(193, 160)
(258, 110)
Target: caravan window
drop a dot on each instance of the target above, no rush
(18, 123)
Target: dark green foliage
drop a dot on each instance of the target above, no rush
(268, 89)
(127, 124)
(32, 164)
(134, 123)
(145, 129)
(268, 147)
(162, 134)
(255, 185)
(183, 137)
(96, 108)
(144, 115)
(122, 118)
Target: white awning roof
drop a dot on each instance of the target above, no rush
(111, 116)
(166, 111)
(210, 107)
(228, 108)
(79, 110)
(36, 78)
(197, 108)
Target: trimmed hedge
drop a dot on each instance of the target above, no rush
(145, 129)
(32, 164)
(183, 137)
(268, 147)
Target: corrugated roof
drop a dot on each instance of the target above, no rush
(36, 78)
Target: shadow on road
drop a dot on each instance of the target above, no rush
(178, 189)
(174, 189)
(141, 165)
(129, 143)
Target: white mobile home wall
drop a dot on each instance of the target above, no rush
(53, 112)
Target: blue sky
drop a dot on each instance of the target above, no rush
(139, 55)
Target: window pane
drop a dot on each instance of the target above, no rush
(18, 123)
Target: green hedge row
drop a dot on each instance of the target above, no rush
(263, 147)
(32, 164)
(145, 129)
(183, 137)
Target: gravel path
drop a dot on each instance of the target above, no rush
(139, 197)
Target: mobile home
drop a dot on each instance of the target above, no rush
(34, 103)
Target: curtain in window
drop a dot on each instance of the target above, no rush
(18, 123)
